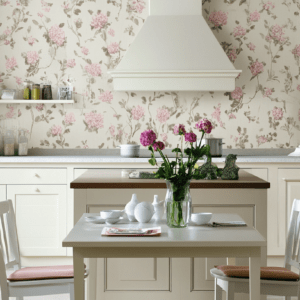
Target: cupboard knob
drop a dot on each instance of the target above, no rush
(37, 175)
(37, 190)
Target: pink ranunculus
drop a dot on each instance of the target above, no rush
(106, 97)
(277, 33)
(71, 63)
(256, 68)
(204, 125)
(94, 120)
(19, 80)
(31, 40)
(251, 46)
(218, 18)
(113, 48)
(6, 42)
(111, 32)
(269, 5)
(85, 50)
(158, 146)
(11, 63)
(232, 55)
(93, 69)
(32, 57)
(255, 16)
(164, 137)
(99, 21)
(239, 31)
(56, 130)
(163, 115)
(112, 130)
(40, 14)
(7, 31)
(268, 92)
(39, 107)
(277, 113)
(237, 94)
(147, 138)
(298, 87)
(296, 51)
(232, 116)
(137, 112)
(57, 35)
(69, 118)
(261, 140)
(179, 129)
(11, 113)
(190, 137)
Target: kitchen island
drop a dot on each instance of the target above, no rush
(153, 278)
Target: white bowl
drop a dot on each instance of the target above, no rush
(112, 221)
(201, 218)
(111, 214)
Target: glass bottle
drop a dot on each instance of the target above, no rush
(27, 90)
(9, 143)
(23, 143)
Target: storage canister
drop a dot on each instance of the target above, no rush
(47, 92)
(9, 143)
(36, 92)
(23, 143)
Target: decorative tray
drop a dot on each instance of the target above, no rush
(114, 231)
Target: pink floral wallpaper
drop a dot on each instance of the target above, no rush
(82, 39)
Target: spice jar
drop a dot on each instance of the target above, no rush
(47, 92)
(9, 143)
(27, 90)
(23, 143)
(36, 91)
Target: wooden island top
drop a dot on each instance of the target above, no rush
(91, 180)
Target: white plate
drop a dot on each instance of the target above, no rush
(95, 219)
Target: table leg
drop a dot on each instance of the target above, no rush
(254, 280)
(78, 275)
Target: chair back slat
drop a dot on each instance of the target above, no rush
(4, 233)
(292, 252)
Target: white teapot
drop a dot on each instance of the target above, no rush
(159, 208)
(130, 206)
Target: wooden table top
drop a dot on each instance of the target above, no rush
(93, 179)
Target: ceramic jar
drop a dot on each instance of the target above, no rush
(143, 212)
(129, 150)
(159, 208)
(130, 206)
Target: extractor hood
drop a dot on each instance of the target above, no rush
(175, 50)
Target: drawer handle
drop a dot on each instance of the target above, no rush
(37, 190)
(37, 175)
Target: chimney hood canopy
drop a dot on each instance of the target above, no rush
(175, 50)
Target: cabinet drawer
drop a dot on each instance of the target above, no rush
(33, 176)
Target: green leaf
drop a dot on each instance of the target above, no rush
(152, 161)
(176, 150)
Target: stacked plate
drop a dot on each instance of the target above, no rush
(106, 216)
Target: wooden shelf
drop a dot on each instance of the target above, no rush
(36, 101)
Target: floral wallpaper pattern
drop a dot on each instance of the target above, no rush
(82, 39)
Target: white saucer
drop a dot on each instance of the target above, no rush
(95, 219)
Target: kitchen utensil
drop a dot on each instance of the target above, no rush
(111, 214)
(143, 212)
(201, 218)
(130, 206)
(215, 145)
(129, 150)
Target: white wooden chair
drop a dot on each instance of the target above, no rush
(36, 281)
(268, 287)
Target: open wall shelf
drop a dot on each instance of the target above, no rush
(35, 101)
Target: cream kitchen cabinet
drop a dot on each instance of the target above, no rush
(2, 192)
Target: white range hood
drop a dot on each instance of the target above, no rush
(175, 50)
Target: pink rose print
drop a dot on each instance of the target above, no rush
(56, 130)
(268, 92)
(164, 137)
(32, 57)
(85, 50)
(113, 48)
(237, 94)
(106, 97)
(39, 107)
(137, 112)
(217, 115)
(255, 16)
(256, 68)
(7, 31)
(163, 115)
(269, 5)
(218, 18)
(93, 120)
(31, 40)
(298, 87)
(251, 46)
(93, 69)
(6, 42)
(57, 35)
(99, 21)
(71, 63)
(111, 32)
(40, 14)
(239, 31)
(277, 113)
(296, 51)
(10, 114)
(65, 6)
(19, 80)
(261, 140)
(232, 55)
(69, 118)
(231, 116)
(277, 33)
(112, 130)
(139, 7)
(11, 63)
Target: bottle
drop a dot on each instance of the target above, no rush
(23, 143)
(27, 90)
(1, 143)
(159, 208)
(9, 143)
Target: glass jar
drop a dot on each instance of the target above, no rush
(9, 143)
(47, 92)
(23, 143)
(1, 144)
(27, 90)
(36, 92)
(178, 203)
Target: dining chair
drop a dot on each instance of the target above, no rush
(274, 280)
(29, 281)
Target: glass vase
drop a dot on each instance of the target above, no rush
(178, 203)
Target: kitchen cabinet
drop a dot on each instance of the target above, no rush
(41, 213)
(2, 192)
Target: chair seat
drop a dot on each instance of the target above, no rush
(267, 273)
(38, 273)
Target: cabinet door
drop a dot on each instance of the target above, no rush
(41, 218)
(3, 193)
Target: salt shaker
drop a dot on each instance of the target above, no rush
(158, 208)
(130, 206)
